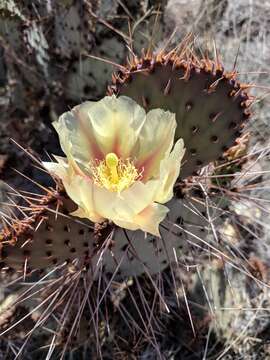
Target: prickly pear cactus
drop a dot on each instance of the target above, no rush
(49, 236)
(88, 75)
(211, 106)
(46, 237)
(98, 284)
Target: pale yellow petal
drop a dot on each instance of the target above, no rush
(128, 203)
(91, 130)
(147, 220)
(97, 203)
(78, 188)
(116, 123)
(76, 134)
(59, 168)
(155, 141)
(109, 205)
(133, 209)
(81, 213)
(169, 172)
(140, 195)
(81, 191)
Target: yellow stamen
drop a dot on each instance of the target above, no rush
(112, 161)
(114, 174)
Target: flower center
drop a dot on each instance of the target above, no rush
(115, 174)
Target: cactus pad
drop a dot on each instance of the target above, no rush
(88, 76)
(73, 29)
(135, 253)
(211, 106)
(47, 237)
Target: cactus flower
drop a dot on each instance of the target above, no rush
(120, 162)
